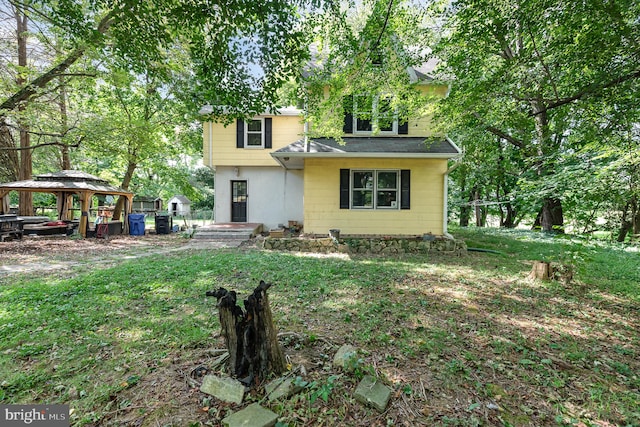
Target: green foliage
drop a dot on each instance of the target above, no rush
(548, 88)
(322, 390)
(363, 50)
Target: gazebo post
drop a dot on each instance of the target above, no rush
(61, 204)
(4, 202)
(85, 203)
(128, 207)
(67, 204)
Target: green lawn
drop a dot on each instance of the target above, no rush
(463, 341)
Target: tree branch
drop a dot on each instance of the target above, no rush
(544, 65)
(46, 144)
(592, 89)
(497, 132)
(42, 80)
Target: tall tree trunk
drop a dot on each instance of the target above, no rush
(131, 167)
(9, 160)
(552, 219)
(625, 225)
(65, 160)
(25, 172)
(480, 211)
(509, 220)
(465, 210)
(635, 212)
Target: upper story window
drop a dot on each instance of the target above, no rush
(254, 133)
(374, 114)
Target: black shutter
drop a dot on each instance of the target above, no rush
(267, 132)
(347, 105)
(344, 188)
(240, 134)
(405, 189)
(403, 128)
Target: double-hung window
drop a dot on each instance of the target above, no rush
(374, 114)
(254, 133)
(375, 189)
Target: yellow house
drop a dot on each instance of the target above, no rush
(387, 178)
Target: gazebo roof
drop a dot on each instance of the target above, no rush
(72, 181)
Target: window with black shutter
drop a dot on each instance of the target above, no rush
(240, 133)
(268, 132)
(378, 189)
(254, 133)
(344, 188)
(405, 189)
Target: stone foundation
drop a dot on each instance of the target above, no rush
(370, 245)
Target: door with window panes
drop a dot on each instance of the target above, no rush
(239, 201)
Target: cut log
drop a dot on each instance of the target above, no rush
(250, 335)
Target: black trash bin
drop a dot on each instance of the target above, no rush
(163, 224)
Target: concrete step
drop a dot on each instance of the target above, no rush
(214, 235)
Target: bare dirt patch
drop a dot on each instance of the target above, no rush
(50, 255)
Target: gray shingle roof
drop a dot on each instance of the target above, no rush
(368, 145)
(292, 156)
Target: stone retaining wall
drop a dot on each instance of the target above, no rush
(365, 245)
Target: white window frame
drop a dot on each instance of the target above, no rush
(374, 119)
(247, 132)
(374, 190)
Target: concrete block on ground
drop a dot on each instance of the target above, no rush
(223, 388)
(253, 415)
(372, 392)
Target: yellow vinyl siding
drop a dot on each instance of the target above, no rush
(322, 198)
(206, 147)
(220, 147)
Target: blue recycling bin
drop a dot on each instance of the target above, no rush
(136, 224)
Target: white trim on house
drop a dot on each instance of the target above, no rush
(248, 132)
(285, 111)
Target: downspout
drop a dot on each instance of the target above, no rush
(445, 217)
(306, 125)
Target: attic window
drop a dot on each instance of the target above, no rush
(376, 58)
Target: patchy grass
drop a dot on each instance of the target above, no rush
(464, 341)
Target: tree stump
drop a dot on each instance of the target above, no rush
(541, 270)
(552, 271)
(250, 335)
